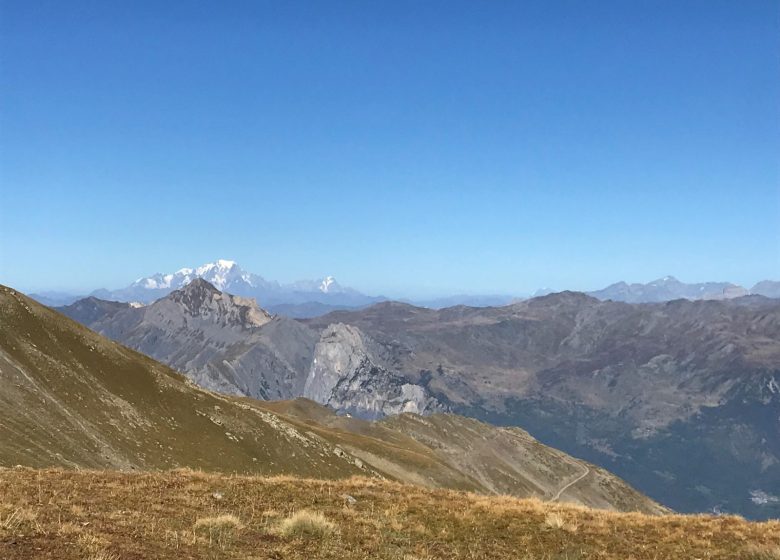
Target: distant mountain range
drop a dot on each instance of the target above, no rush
(670, 288)
(72, 398)
(312, 298)
(228, 276)
(681, 398)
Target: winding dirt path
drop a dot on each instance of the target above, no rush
(570, 484)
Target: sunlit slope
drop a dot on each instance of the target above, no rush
(73, 398)
(69, 515)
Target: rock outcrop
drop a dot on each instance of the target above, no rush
(349, 375)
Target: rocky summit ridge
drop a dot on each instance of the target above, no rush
(202, 300)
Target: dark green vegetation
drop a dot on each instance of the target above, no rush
(70, 397)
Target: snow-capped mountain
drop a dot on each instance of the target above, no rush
(327, 285)
(221, 274)
(228, 276)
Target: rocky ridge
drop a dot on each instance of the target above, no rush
(348, 373)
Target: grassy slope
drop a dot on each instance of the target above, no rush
(70, 397)
(70, 515)
(446, 447)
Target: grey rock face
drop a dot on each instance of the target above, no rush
(228, 344)
(207, 306)
(348, 374)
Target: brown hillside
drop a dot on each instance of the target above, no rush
(69, 515)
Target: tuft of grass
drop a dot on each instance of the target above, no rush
(92, 544)
(18, 520)
(220, 529)
(555, 520)
(224, 521)
(104, 555)
(95, 546)
(306, 524)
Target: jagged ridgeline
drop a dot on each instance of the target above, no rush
(229, 344)
(70, 397)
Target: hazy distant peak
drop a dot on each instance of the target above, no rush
(668, 288)
(220, 273)
(767, 288)
(665, 280)
(566, 297)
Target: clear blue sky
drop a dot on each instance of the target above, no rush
(407, 148)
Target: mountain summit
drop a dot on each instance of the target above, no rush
(201, 299)
(220, 273)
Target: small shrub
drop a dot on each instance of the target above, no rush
(306, 523)
(92, 544)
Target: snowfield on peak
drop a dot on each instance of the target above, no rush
(326, 284)
(226, 275)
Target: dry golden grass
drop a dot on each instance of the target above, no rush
(763, 553)
(555, 520)
(307, 524)
(95, 547)
(72, 515)
(16, 520)
(220, 529)
(224, 521)
(103, 555)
